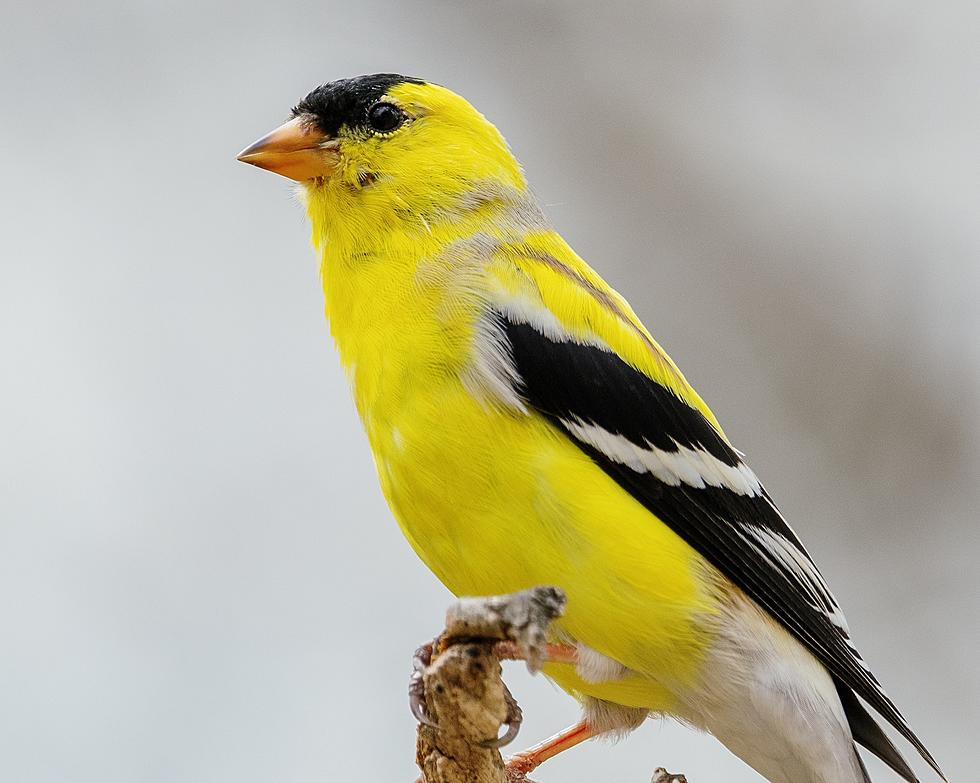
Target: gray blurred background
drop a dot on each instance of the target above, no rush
(199, 579)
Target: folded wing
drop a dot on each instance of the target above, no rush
(668, 456)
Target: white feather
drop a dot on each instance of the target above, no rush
(594, 667)
(491, 374)
(794, 561)
(771, 702)
(694, 467)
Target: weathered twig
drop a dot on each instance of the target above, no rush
(465, 695)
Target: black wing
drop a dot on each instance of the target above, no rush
(669, 457)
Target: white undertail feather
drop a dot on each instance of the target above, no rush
(772, 703)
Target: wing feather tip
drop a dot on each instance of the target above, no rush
(869, 734)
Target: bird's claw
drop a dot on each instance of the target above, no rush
(660, 775)
(416, 685)
(513, 722)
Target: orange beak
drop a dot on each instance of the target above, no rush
(298, 150)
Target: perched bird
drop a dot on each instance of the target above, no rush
(527, 429)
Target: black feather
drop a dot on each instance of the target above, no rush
(868, 733)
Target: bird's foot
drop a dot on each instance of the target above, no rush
(518, 771)
(660, 775)
(416, 683)
(513, 722)
(519, 766)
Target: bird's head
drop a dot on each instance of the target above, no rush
(385, 145)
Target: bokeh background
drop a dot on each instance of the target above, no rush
(199, 579)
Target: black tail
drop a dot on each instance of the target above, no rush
(869, 734)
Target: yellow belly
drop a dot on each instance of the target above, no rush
(495, 501)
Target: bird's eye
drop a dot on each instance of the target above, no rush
(385, 117)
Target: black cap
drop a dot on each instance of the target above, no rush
(346, 101)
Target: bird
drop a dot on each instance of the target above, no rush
(528, 429)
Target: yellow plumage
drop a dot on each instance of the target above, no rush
(431, 247)
(523, 506)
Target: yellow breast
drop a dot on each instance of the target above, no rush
(496, 502)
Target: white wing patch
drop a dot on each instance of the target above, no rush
(491, 373)
(693, 467)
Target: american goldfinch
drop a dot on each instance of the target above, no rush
(527, 429)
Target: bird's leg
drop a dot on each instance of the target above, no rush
(521, 764)
(553, 653)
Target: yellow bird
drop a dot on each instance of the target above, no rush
(527, 429)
